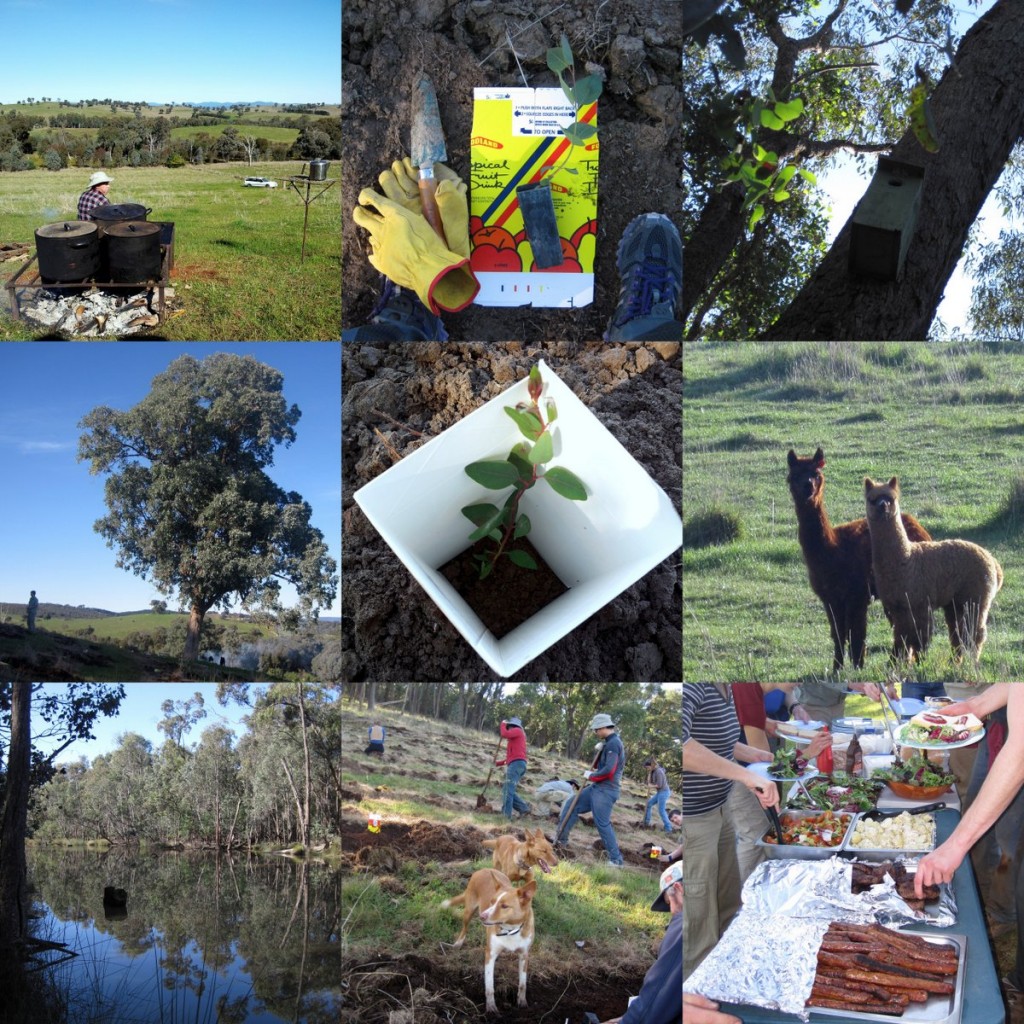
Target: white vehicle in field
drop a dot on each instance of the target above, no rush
(260, 183)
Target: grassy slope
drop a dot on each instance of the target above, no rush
(254, 114)
(580, 900)
(237, 270)
(116, 627)
(944, 419)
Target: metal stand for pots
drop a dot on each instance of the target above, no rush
(301, 179)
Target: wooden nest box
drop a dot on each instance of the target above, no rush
(884, 220)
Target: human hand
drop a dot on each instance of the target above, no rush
(765, 790)
(817, 745)
(701, 1010)
(937, 866)
(800, 713)
(871, 690)
(401, 184)
(961, 707)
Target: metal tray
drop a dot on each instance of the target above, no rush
(938, 1009)
(789, 851)
(868, 853)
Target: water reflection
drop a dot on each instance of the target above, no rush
(201, 938)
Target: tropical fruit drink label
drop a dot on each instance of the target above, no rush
(516, 138)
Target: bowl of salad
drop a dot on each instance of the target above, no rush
(917, 778)
(809, 835)
(840, 791)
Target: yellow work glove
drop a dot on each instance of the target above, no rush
(404, 248)
(401, 184)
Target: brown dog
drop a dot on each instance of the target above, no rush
(507, 916)
(515, 857)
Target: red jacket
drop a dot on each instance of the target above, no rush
(516, 750)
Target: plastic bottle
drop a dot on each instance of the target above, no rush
(824, 759)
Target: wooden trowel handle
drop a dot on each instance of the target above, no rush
(428, 199)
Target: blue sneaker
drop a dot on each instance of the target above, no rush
(650, 262)
(398, 316)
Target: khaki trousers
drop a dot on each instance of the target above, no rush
(750, 824)
(711, 883)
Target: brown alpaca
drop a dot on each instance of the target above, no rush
(838, 558)
(913, 579)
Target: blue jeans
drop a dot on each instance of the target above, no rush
(599, 800)
(661, 799)
(921, 690)
(510, 799)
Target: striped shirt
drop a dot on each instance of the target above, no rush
(710, 719)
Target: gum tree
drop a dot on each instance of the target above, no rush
(190, 504)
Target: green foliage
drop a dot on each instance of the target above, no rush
(997, 303)
(712, 526)
(520, 470)
(581, 93)
(190, 504)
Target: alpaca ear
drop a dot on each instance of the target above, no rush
(868, 483)
(895, 485)
(819, 458)
(791, 457)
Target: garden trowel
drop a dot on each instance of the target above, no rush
(427, 148)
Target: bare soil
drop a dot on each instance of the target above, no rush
(637, 44)
(394, 398)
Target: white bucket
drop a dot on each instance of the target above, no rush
(597, 547)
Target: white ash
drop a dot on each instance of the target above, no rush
(91, 314)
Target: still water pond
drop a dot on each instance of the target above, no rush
(203, 939)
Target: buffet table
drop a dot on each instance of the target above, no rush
(982, 1002)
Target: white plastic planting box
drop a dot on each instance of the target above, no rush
(597, 547)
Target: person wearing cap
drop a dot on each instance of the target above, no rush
(515, 767)
(94, 196)
(600, 796)
(554, 793)
(658, 1000)
(656, 777)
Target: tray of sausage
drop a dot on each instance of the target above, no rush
(867, 972)
(864, 876)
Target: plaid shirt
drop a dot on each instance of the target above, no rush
(90, 200)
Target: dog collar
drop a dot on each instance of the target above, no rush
(515, 931)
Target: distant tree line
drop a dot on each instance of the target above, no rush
(280, 782)
(28, 142)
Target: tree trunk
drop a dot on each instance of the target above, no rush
(371, 697)
(308, 791)
(15, 816)
(979, 114)
(717, 233)
(195, 625)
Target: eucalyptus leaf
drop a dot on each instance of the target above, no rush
(770, 120)
(588, 89)
(479, 514)
(529, 425)
(556, 61)
(522, 527)
(789, 111)
(578, 133)
(522, 559)
(494, 474)
(755, 216)
(566, 483)
(543, 450)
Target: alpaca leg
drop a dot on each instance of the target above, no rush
(953, 626)
(858, 620)
(834, 614)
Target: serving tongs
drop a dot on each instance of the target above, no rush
(887, 704)
(892, 812)
(773, 817)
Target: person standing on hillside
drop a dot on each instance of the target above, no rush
(94, 196)
(515, 767)
(600, 796)
(33, 607)
(656, 777)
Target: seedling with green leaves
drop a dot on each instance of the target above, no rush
(521, 470)
(582, 92)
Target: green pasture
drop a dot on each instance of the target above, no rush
(946, 419)
(252, 115)
(270, 132)
(117, 627)
(237, 274)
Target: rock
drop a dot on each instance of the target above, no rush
(626, 59)
(666, 349)
(613, 359)
(645, 660)
(644, 359)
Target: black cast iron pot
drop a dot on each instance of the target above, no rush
(133, 252)
(68, 251)
(117, 213)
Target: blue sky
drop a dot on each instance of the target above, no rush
(174, 50)
(51, 500)
(140, 712)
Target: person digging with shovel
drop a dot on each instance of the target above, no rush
(603, 790)
(515, 767)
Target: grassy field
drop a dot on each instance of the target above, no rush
(945, 419)
(270, 132)
(254, 114)
(117, 627)
(237, 274)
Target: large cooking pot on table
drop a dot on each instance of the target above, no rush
(133, 252)
(118, 213)
(68, 251)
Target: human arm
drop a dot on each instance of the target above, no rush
(981, 704)
(697, 758)
(999, 788)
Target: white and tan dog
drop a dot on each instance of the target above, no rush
(507, 916)
(515, 857)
